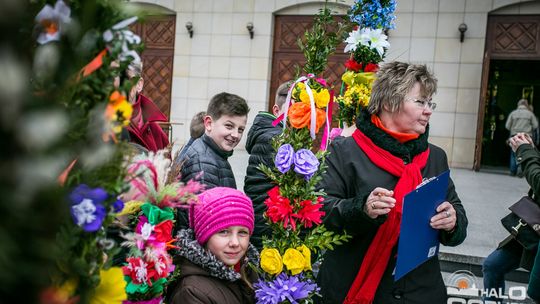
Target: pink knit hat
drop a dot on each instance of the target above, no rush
(218, 209)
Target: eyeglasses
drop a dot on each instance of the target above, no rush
(424, 103)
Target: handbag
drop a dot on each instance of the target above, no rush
(524, 222)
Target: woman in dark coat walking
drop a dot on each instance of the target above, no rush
(367, 177)
(215, 253)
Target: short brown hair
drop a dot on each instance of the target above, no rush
(281, 93)
(395, 80)
(227, 104)
(196, 127)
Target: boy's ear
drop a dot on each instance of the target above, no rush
(208, 123)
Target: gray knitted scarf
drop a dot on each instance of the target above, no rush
(190, 249)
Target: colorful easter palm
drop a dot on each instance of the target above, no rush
(294, 206)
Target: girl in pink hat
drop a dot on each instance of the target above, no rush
(215, 251)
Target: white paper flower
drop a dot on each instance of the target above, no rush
(376, 39)
(53, 21)
(127, 37)
(353, 40)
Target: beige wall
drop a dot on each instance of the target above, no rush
(222, 57)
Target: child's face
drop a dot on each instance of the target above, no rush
(226, 131)
(229, 245)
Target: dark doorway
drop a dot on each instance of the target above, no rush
(509, 81)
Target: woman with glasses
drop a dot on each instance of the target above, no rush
(367, 177)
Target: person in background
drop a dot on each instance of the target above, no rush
(196, 130)
(214, 252)
(521, 120)
(368, 175)
(259, 146)
(224, 124)
(510, 254)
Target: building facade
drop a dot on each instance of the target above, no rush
(221, 56)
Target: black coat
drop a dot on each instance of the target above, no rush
(350, 177)
(205, 156)
(256, 184)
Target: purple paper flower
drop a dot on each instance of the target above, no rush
(87, 207)
(284, 288)
(284, 158)
(118, 206)
(305, 163)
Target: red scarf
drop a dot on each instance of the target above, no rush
(376, 259)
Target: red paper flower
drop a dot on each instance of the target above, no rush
(163, 231)
(137, 270)
(371, 67)
(310, 213)
(352, 65)
(279, 208)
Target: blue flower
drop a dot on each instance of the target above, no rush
(118, 206)
(284, 288)
(373, 14)
(87, 207)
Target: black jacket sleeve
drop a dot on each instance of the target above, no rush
(343, 210)
(529, 159)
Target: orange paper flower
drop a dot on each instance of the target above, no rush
(300, 116)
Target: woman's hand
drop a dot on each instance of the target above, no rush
(518, 140)
(446, 217)
(379, 202)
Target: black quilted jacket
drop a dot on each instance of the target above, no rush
(205, 156)
(256, 184)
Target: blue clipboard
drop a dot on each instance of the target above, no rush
(418, 242)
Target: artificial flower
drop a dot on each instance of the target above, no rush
(118, 112)
(294, 261)
(130, 208)
(53, 21)
(335, 132)
(127, 38)
(307, 256)
(300, 116)
(284, 288)
(279, 209)
(371, 67)
(87, 207)
(118, 206)
(111, 288)
(352, 65)
(310, 213)
(284, 158)
(271, 261)
(321, 98)
(136, 269)
(374, 13)
(155, 214)
(354, 39)
(305, 163)
(375, 39)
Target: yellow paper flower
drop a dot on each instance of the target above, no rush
(294, 260)
(130, 208)
(321, 98)
(271, 261)
(111, 288)
(307, 256)
(118, 112)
